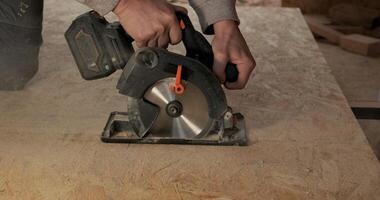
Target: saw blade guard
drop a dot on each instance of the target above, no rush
(148, 77)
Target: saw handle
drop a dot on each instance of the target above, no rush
(199, 48)
(99, 48)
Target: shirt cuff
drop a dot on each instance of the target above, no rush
(103, 7)
(211, 11)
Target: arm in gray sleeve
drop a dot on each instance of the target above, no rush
(101, 6)
(212, 11)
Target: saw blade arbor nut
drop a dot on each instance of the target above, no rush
(174, 109)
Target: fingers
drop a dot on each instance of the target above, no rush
(163, 41)
(221, 59)
(153, 43)
(229, 46)
(219, 67)
(163, 34)
(161, 38)
(175, 34)
(141, 44)
(151, 23)
(245, 69)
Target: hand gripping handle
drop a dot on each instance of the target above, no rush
(100, 48)
(199, 48)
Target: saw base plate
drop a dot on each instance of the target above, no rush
(119, 130)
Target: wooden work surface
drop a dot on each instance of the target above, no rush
(304, 141)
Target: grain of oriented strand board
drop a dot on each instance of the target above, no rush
(304, 141)
(323, 6)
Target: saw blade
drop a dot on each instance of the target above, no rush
(181, 116)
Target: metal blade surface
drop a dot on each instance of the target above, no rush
(193, 120)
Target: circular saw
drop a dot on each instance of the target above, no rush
(172, 98)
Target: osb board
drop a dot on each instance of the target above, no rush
(276, 3)
(304, 141)
(322, 6)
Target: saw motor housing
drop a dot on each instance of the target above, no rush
(100, 48)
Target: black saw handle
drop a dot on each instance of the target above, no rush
(99, 48)
(199, 48)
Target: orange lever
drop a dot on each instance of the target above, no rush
(178, 87)
(182, 24)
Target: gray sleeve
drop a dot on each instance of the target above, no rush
(101, 6)
(212, 11)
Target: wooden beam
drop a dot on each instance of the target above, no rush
(324, 31)
(361, 44)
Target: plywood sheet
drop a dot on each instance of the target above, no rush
(304, 140)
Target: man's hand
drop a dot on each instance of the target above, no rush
(150, 23)
(229, 46)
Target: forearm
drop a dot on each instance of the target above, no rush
(213, 11)
(101, 6)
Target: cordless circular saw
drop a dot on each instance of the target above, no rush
(172, 99)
